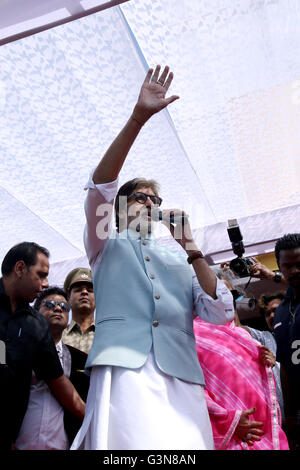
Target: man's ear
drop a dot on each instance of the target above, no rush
(69, 295)
(20, 269)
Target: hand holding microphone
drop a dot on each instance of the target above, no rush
(169, 216)
(177, 221)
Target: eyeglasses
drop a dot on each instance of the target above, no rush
(142, 198)
(51, 304)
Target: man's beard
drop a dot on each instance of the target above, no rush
(294, 281)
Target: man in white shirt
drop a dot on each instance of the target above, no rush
(44, 426)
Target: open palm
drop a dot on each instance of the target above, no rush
(152, 95)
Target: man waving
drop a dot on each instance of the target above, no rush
(146, 389)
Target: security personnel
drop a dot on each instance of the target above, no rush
(287, 333)
(27, 339)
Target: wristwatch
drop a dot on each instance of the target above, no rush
(278, 276)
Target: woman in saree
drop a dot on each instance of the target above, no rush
(240, 388)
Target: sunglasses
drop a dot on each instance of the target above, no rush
(51, 304)
(142, 198)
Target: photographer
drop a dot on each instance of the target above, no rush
(260, 271)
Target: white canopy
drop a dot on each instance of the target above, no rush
(229, 148)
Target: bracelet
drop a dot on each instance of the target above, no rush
(195, 255)
(278, 276)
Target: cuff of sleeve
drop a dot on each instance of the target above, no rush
(221, 289)
(236, 418)
(104, 187)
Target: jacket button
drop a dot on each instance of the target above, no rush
(155, 323)
(157, 296)
(152, 276)
(147, 258)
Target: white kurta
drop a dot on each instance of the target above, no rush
(133, 409)
(144, 408)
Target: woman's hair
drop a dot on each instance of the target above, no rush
(228, 276)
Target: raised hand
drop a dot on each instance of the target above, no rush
(152, 98)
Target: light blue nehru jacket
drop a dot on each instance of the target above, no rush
(144, 298)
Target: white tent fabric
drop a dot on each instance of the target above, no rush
(20, 19)
(229, 148)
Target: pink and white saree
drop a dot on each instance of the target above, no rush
(236, 380)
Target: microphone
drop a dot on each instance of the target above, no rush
(157, 215)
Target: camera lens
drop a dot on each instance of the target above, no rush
(252, 303)
(246, 304)
(240, 267)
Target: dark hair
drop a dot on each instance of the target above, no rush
(53, 290)
(265, 299)
(289, 241)
(128, 188)
(25, 251)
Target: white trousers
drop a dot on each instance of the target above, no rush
(132, 409)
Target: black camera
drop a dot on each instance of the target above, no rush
(240, 265)
(241, 302)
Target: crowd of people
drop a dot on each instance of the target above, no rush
(145, 350)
